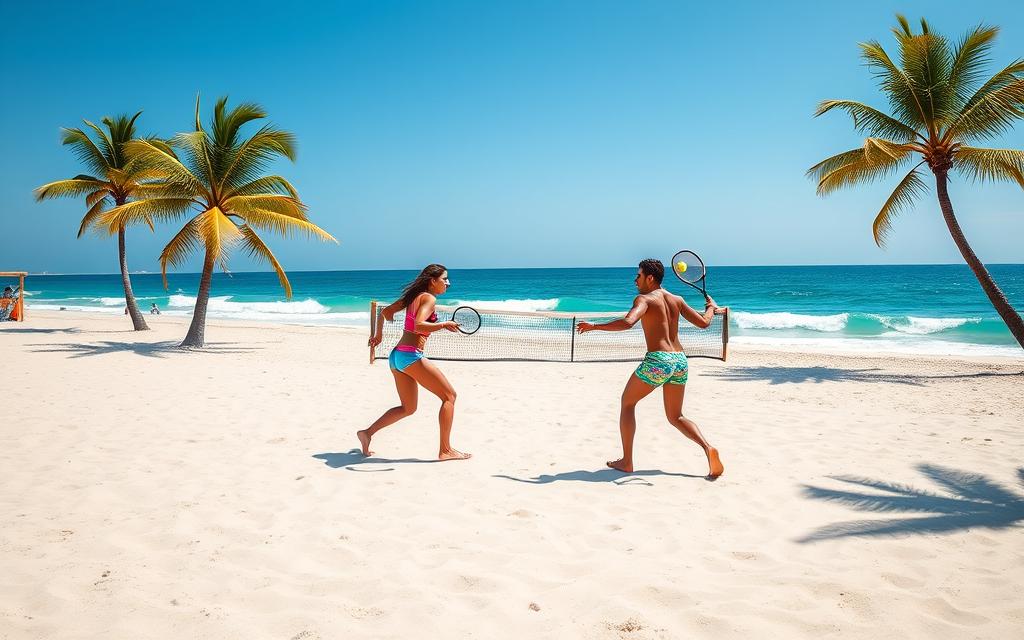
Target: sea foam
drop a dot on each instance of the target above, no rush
(225, 305)
(786, 320)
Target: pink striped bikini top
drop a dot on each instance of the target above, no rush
(410, 318)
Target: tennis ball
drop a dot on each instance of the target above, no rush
(681, 267)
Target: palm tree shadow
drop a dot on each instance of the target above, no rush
(971, 501)
(601, 475)
(147, 349)
(797, 375)
(351, 459)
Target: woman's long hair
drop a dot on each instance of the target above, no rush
(421, 283)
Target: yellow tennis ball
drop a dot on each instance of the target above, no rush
(681, 267)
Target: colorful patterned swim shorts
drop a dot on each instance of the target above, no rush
(663, 367)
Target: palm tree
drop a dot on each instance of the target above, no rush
(113, 183)
(940, 107)
(219, 184)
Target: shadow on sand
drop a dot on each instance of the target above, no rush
(148, 349)
(971, 501)
(352, 458)
(601, 475)
(4, 329)
(796, 375)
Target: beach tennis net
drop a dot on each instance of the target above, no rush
(549, 336)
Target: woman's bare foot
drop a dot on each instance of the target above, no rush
(452, 454)
(621, 465)
(715, 466)
(364, 440)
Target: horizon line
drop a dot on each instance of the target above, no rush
(906, 264)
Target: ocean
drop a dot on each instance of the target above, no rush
(928, 309)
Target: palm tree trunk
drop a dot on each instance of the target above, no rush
(197, 330)
(138, 320)
(994, 293)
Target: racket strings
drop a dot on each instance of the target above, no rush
(688, 267)
(467, 319)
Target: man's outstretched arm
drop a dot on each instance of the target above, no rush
(703, 320)
(627, 322)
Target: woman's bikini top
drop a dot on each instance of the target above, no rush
(410, 318)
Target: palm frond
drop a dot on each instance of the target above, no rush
(227, 123)
(106, 145)
(218, 234)
(78, 186)
(284, 225)
(196, 154)
(149, 157)
(184, 243)
(926, 60)
(994, 107)
(906, 104)
(869, 120)
(994, 165)
(252, 157)
(284, 205)
(877, 159)
(828, 165)
(97, 196)
(162, 145)
(258, 249)
(121, 129)
(143, 211)
(902, 197)
(91, 218)
(969, 60)
(265, 185)
(158, 189)
(85, 150)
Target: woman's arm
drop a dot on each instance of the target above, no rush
(387, 313)
(425, 310)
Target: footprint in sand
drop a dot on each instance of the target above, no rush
(630, 625)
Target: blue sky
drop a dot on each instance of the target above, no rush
(497, 134)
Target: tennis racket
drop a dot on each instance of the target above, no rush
(468, 320)
(689, 268)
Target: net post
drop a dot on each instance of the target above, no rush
(725, 334)
(373, 321)
(572, 341)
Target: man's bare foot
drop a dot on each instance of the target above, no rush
(364, 440)
(621, 465)
(452, 454)
(715, 466)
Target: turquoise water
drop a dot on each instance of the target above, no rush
(917, 308)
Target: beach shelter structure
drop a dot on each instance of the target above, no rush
(18, 313)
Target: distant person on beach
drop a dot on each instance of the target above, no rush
(408, 365)
(665, 363)
(154, 310)
(7, 298)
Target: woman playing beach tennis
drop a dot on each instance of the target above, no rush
(408, 365)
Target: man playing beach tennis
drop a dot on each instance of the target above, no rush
(665, 363)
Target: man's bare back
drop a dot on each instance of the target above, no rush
(660, 320)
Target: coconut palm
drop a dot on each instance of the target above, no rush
(220, 186)
(941, 104)
(112, 183)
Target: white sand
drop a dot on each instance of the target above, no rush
(151, 493)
